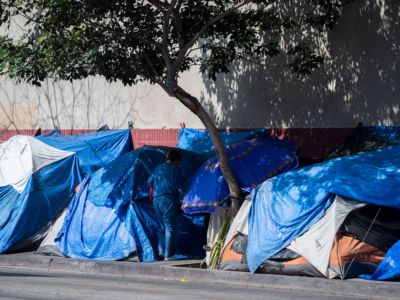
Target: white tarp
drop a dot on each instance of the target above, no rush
(316, 244)
(241, 221)
(23, 155)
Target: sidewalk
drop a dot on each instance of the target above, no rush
(185, 271)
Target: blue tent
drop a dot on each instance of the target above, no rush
(112, 217)
(94, 150)
(200, 142)
(36, 183)
(286, 206)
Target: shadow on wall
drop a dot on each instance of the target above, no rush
(81, 104)
(360, 80)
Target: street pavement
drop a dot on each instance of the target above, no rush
(34, 284)
(32, 276)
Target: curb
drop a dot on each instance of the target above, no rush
(180, 271)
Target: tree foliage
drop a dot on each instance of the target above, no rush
(124, 40)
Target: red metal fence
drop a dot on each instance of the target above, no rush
(314, 142)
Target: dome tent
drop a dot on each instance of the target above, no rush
(36, 183)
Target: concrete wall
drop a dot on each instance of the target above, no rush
(359, 82)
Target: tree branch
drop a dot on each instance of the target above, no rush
(165, 52)
(178, 25)
(211, 22)
(156, 79)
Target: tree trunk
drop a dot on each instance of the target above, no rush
(194, 105)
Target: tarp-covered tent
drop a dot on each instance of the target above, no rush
(37, 170)
(94, 150)
(349, 239)
(304, 195)
(111, 216)
(36, 183)
(199, 141)
(315, 244)
(252, 161)
(359, 245)
(324, 250)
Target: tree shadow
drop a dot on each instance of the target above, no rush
(358, 82)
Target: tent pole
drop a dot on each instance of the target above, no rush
(365, 236)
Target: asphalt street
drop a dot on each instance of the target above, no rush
(16, 283)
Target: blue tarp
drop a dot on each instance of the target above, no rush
(389, 134)
(53, 133)
(286, 206)
(251, 161)
(112, 217)
(389, 268)
(200, 142)
(94, 150)
(89, 230)
(46, 194)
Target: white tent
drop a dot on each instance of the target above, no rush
(21, 156)
(48, 245)
(316, 244)
(241, 221)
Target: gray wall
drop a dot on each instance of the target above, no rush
(359, 82)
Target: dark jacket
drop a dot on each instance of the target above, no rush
(167, 180)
